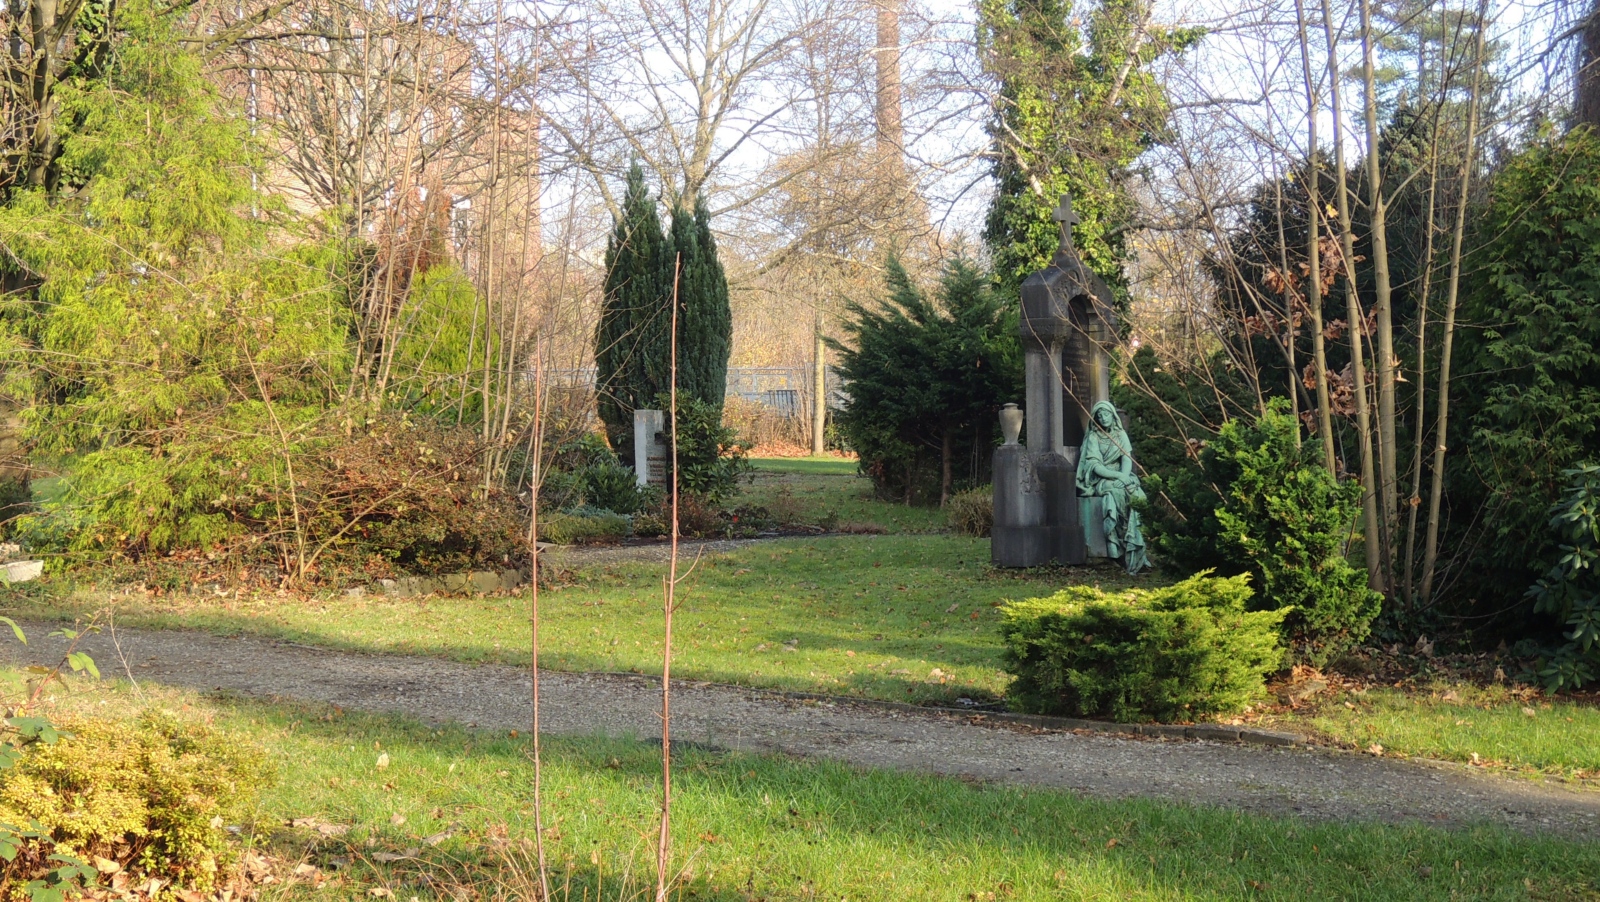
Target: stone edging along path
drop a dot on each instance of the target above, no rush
(1050, 752)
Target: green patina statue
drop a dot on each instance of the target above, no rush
(1105, 471)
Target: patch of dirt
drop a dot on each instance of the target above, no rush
(1312, 783)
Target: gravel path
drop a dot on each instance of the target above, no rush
(1312, 783)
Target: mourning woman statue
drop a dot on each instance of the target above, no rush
(1105, 471)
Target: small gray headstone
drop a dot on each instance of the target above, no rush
(649, 449)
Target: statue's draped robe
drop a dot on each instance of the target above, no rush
(1109, 449)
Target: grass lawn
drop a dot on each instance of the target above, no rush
(752, 827)
(869, 616)
(828, 492)
(1488, 726)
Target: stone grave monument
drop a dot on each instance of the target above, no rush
(1044, 509)
(649, 448)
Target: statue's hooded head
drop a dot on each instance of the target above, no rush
(1105, 417)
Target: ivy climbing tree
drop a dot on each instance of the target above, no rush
(1077, 104)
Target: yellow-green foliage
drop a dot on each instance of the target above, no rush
(154, 795)
(1172, 653)
(438, 353)
(972, 512)
(170, 331)
(583, 524)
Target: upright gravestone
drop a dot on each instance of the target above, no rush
(649, 448)
(1067, 324)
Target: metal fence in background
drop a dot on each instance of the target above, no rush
(782, 389)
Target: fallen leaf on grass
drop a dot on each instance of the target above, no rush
(383, 761)
(1529, 712)
(397, 819)
(1112, 843)
(320, 825)
(439, 837)
(1375, 749)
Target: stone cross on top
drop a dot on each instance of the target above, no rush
(1066, 218)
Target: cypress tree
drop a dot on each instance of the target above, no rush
(631, 337)
(705, 320)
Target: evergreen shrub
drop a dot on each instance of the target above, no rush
(1569, 591)
(155, 796)
(1529, 365)
(1281, 517)
(610, 485)
(927, 378)
(1168, 654)
(971, 513)
(584, 525)
(16, 499)
(711, 459)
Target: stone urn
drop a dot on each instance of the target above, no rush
(1011, 423)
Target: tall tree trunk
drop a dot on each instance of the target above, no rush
(1369, 507)
(1386, 363)
(890, 135)
(1430, 555)
(1414, 498)
(946, 452)
(819, 393)
(1314, 250)
(1289, 295)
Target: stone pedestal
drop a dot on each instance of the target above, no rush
(650, 452)
(1018, 538)
(1036, 509)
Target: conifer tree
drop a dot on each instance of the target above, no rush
(631, 339)
(705, 320)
